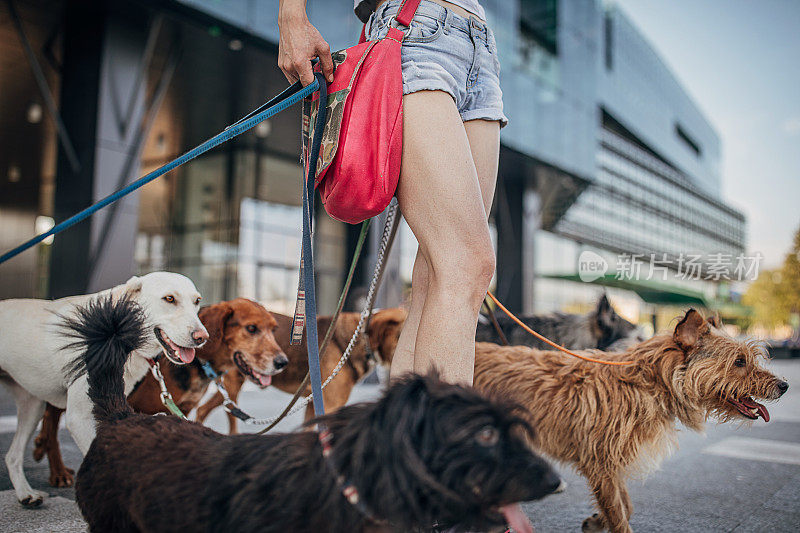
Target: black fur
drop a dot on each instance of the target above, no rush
(415, 456)
(182, 374)
(106, 332)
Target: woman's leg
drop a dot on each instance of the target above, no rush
(484, 141)
(442, 200)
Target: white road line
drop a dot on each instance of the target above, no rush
(772, 451)
(8, 424)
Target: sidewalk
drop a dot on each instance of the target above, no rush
(56, 514)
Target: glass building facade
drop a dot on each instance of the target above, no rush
(605, 152)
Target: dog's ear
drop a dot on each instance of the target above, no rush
(214, 317)
(131, 288)
(605, 313)
(715, 320)
(383, 323)
(690, 329)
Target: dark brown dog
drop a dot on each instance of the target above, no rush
(383, 333)
(613, 421)
(241, 341)
(427, 454)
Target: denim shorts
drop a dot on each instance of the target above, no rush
(443, 51)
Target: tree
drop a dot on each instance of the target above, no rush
(775, 295)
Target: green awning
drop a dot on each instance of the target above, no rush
(652, 292)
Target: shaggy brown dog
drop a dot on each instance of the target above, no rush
(383, 333)
(426, 453)
(611, 421)
(241, 341)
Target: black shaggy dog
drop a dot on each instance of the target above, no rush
(601, 329)
(425, 455)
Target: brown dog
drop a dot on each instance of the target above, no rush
(383, 333)
(241, 341)
(612, 421)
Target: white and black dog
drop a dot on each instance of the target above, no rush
(33, 358)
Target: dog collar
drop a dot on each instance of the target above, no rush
(347, 488)
(209, 370)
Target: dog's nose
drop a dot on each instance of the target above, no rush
(783, 386)
(551, 481)
(199, 336)
(280, 361)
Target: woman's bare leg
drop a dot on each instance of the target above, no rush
(484, 140)
(442, 200)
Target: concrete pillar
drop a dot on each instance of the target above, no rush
(103, 48)
(509, 219)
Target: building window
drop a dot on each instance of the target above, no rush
(688, 141)
(538, 20)
(608, 35)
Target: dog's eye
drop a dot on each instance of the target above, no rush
(252, 329)
(169, 299)
(488, 436)
(197, 301)
(739, 362)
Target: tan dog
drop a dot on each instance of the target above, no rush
(383, 333)
(241, 341)
(611, 421)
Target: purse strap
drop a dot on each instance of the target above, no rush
(403, 18)
(406, 12)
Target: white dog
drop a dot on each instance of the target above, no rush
(33, 357)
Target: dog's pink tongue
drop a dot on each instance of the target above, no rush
(264, 381)
(762, 409)
(516, 518)
(186, 354)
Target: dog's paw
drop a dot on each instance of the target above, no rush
(593, 524)
(40, 450)
(62, 478)
(34, 499)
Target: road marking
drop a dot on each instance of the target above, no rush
(772, 451)
(8, 424)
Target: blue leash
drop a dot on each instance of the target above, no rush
(307, 255)
(287, 98)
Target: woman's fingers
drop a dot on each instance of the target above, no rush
(326, 61)
(300, 43)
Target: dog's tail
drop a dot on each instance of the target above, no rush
(106, 332)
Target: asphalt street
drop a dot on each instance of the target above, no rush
(742, 478)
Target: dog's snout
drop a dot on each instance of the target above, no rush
(199, 336)
(280, 361)
(551, 481)
(783, 386)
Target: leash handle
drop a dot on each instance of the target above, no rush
(551, 343)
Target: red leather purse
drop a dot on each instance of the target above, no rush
(362, 145)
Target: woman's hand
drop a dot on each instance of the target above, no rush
(300, 42)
